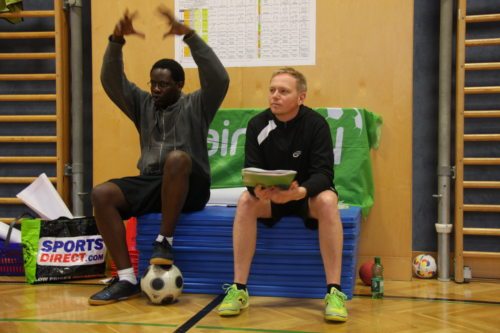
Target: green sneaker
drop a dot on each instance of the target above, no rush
(234, 301)
(335, 306)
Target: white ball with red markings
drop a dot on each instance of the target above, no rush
(424, 266)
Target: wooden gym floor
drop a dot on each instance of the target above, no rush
(415, 306)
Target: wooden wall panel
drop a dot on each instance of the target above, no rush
(364, 59)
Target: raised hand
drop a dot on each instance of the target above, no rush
(176, 27)
(125, 27)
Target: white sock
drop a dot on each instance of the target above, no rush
(127, 274)
(160, 239)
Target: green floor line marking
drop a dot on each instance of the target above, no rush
(429, 299)
(247, 329)
(20, 320)
(55, 283)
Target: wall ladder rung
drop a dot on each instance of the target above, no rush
(27, 35)
(481, 184)
(28, 159)
(21, 180)
(27, 98)
(28, 13)
(482, 18)
(482, 66)
(27, 56)
(464, 40)
(27, 119)
(482, 42)
(10, 201)
(28, 77)
(482, 90)
(482, 114)
(481, 208)
(481, 137)
(50, 27)
(31, 139)
(481, 161)
(480, 254)
(482, 231)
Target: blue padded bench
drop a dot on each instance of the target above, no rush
(287, 260)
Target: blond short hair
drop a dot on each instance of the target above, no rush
(299, 77)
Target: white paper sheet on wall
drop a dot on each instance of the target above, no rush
(249, 33)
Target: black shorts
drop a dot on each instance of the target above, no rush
(143, 194)
(298, 208)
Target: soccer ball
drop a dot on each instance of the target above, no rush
(162, 284)
(424, 266)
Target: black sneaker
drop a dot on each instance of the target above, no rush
(116, 291)
(162, 253)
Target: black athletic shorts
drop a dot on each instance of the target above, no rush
(143, 194)
(298, 208)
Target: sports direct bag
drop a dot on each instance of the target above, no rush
(62, 249)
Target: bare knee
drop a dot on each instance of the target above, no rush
(107, 194)
(324, 206)
(177, 163)
(327, 199)
(251, 207)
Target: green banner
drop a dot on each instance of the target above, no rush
(354, 133)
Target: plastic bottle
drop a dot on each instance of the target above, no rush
(377, 279)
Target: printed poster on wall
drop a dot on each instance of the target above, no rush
(250, 33)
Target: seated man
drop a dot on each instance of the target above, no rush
(173, 129)
(289, 135)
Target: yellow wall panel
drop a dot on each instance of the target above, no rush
(364, 59)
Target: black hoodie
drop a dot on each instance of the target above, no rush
(303, 144)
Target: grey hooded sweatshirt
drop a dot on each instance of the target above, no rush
(181, 126)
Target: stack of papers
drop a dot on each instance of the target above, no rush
(42, 197)
(255, 176)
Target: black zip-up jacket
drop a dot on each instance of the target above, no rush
(303, 144)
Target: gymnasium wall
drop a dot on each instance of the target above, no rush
(12, 87)
(425, 123)
(425, 132)
(364, 59)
